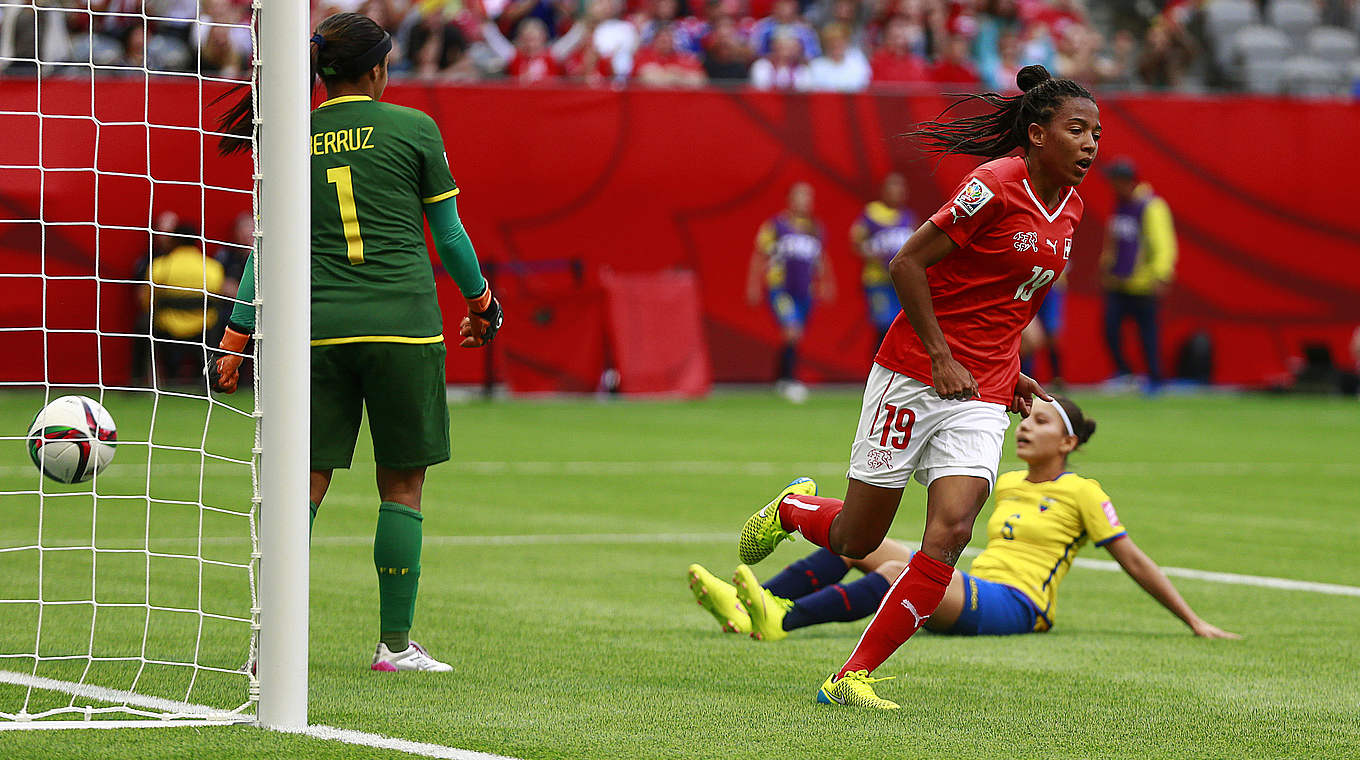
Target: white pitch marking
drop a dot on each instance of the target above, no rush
(118, 696)
(208, 716)
(364, 739)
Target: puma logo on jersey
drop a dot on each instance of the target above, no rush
(1026, 241)
(1052, 244)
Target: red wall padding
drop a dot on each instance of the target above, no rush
(1262, 190)
(657, 332)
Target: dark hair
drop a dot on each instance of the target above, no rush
(1084, 427)
(344, 48)
(1006, 126)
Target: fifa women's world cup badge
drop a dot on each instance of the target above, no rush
(973, 196)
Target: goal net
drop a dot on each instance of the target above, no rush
(123, 235)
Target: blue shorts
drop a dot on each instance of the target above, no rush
(790, 308)
(883, 305)
(1051, 311)
(993, 609)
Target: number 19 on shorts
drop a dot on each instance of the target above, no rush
(1037, 279)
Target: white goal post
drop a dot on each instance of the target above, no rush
(172, 589)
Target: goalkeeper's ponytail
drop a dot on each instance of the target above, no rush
(344, 47)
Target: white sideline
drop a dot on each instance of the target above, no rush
(1262, 581)
(218, 718)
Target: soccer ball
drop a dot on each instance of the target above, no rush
(71, 439)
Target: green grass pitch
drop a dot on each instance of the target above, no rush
(573, 634)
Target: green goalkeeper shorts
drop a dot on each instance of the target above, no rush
(402, 384)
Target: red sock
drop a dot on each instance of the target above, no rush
(809, 515)
(922, 587)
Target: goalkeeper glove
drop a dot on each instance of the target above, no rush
(482, 322)
(223, 369)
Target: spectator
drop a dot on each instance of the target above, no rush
(686, 32)
(532, 62)
(1137, 267)
(439, 50)
(660, 64)
(583, 63)
(224, 50)
(955, 67)
(785, 20)
(615, 40)
(728, 57)
(843, 68)
(783, 69)
(174, 304)
(1000, 76)
(895, 61)
(1167, 54)
(851, 13)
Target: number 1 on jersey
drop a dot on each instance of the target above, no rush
(1038, 279)
(349, 214)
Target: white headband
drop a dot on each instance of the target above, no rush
(1063, 413)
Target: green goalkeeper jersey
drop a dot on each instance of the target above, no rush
(374, 165)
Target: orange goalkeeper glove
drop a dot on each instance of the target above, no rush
(482, 322)
(224, 369)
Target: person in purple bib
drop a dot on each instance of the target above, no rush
(1136, 268)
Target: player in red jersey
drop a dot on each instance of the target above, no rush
(935, 404)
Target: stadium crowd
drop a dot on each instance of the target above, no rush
(827, 45)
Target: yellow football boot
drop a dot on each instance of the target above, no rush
(854, 689)
(720, 599)
(762, 532)
(766, 610)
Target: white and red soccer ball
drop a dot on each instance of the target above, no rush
(72, 439)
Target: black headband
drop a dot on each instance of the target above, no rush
(372, 57)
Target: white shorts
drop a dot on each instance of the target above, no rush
(906, 429)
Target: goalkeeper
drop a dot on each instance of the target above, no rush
(377, 333)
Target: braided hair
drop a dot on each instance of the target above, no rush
(1005, 126)
(344, 48)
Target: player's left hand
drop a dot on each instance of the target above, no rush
(482, 322)
(1026, 388)
(224, 365)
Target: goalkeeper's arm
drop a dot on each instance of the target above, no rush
(223, 368)
(454, 250)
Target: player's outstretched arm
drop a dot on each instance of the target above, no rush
(926, 247)
(454, 250)
(1142, 569)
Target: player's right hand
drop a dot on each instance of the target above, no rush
(224, 369)
(482, 322)
(952, 381)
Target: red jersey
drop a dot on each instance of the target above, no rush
(1011, 250)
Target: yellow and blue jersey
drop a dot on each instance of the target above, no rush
(793, 249)
(883, 230)
(1036, 530)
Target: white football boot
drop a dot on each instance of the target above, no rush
(413, 658)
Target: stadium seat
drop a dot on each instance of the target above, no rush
(1293, 17)
(1312, 77)
(1258, 52)
(1332, 43)
(1222, 19)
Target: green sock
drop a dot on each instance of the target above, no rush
(396, 555)
(312, 520)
